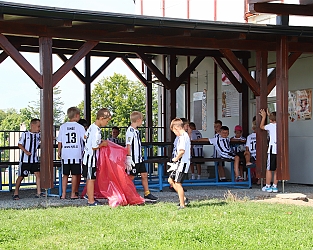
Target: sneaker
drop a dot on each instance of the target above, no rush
(274, 189)
(193, 177)
(85, 197)
(96, 203)
(199, 177)
(267, 189)
(150, 197)
(180, 207)
(238, 179)
(223, 180)
(187, 202)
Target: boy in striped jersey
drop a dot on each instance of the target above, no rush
(93, 142)
(114, 135)
(70, 149)
(197, 150)
(29, 164)
(134, 162)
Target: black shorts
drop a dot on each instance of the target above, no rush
(271, 162)
(89, 173)
(220, 163)
(193, 157)
(139, 168)
(74, 169)
(25, 169)
(177, 176)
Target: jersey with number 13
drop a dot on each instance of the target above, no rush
(71, 135)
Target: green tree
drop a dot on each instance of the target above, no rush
(121, 96)
(58, 115)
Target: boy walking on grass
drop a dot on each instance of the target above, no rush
(134, 162)
(182, 159)
(271, 152)
(93, 143)
(29, 164)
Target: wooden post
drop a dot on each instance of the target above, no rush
(149, 122)
(46, 113)
(282, 109)
(245, 119)
(261, 103)
(87, 98)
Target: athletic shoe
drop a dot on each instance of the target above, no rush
(267, 189)
(238, 179)
(199, 177)
(179, 208)
(96, 203)
(193, 177)
(150, 197)
(223, 180)
(187, 202)
(86, 197)
(274, 189)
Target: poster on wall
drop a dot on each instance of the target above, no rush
(300, 105)
(230, 97)
(199, 103)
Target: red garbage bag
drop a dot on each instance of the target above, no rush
(112, 182)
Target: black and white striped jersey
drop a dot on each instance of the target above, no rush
(30, 141)
(240, 147)
(133, 139)
(71, 135)
(197, 150)
(222, 147)
(93, 140)
(115, 140)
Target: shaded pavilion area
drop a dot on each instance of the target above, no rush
(82, 34)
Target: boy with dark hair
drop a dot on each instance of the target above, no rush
(70, 149)
(114, 134)
(196, 150)
(93, 143)
(29, 163)
(134, 162)
(272, 151)
(221, 171)
(237, 144)
(182, 159)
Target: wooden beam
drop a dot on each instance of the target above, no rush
(271, 82)
(242, 71)
(74, 69)
(261, 103)
(87, 96)
(186, 73)
(102, 67)
(282, 118)
(70, 63)
(46, 113)
(219, 61)
(20, 60)
(3, 56)
(154, 69)
(135, 71)
(282, 9)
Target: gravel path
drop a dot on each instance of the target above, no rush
(28, 200)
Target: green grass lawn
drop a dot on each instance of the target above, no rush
(214, 224)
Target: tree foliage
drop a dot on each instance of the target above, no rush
(121, 96)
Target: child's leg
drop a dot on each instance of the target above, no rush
(90, 185)
(192, 168)
(64, 185)
(144, 181)
(268, 177)
(199, 169)
(181, 194)
(236, 166)
(221, 171)
(74, 185)
(275, 178)
(18, 184)
(37, 174)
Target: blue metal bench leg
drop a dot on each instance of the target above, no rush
(249, 177)
(160, 173)
(216, 171)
